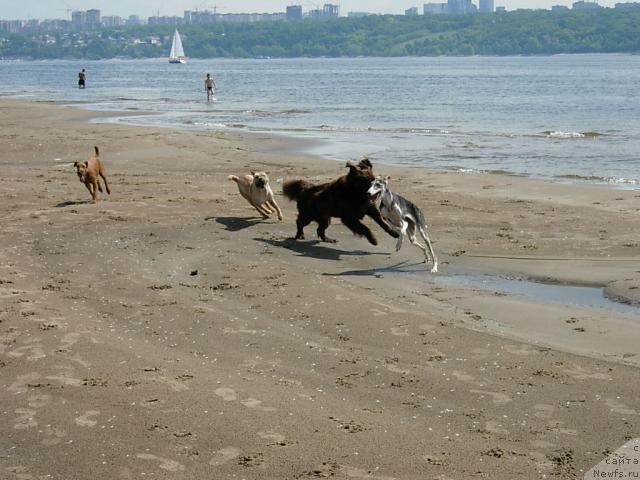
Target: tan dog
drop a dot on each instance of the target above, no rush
(255, 188)
(88, 172)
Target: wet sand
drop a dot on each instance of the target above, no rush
(169, 332)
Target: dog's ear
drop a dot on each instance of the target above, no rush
(350, 165)
(253, 173)
(365, 163)
(75, 164)
(387, 178)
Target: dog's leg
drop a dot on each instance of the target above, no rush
(323, 224)
(99, 187)
(424, 235)
(273, 203)
(402, 233)
(94, 196)
(261, 210)
(301, 222)
(360, 229)
(374, 213)
(103, 174)
(412, 237)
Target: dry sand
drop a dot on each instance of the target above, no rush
(168, 332)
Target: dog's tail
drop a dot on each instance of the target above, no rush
(233, 178)
(292, 189)
(97, 151)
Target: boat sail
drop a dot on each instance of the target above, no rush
(177, 52)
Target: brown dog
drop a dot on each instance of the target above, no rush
(346, 198)
(88, 172)
(256, 190)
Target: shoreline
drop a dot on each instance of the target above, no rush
(169, 331)
(317, 146)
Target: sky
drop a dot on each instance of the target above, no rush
(41, 9)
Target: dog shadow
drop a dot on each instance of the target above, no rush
(70, 203)
(400, 267)
(235, 224)
(315, 249)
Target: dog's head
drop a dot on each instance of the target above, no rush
(378, 188)
(81, 169)
(361, 174)
(260, 179)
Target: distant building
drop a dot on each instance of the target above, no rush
(331, 10)
(93, 18)
(411, 11)
(434, 8)
(582, 5)
(485, 6)
(358, 14)
(455, 7)
(559, 8)
(460, 6)
(294, 12)
(11, 26)
(628, 5)
(134, 20)
(501, 9)
(165, 21)
(328, 11)
(55, 24)
(112, 21)
(78, 18)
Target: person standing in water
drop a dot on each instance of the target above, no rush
(82, 75)
(210, 86)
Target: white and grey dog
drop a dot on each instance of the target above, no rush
(403, 215)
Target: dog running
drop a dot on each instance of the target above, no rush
(345, 198)
(256, 190)
(403, 215)
(89, 172)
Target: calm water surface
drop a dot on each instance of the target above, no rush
(561, 117)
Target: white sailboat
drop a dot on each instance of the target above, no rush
(177, 52)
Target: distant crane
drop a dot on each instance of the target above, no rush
(69, 9)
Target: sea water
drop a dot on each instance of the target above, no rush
(565, 117)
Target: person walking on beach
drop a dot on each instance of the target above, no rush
(210, 86)
(82, 75)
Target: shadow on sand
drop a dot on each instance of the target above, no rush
(235, 224)
(70, 203)
(401, 267)
(315, 249)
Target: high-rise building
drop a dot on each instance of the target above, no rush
(434, 8)
(460, 6)
(294, 12)
(582, 5)
(330, 10)
(93, 18)
(133, 20)
(78, 18)
(112, 21)
(411, 11)
(485, 6)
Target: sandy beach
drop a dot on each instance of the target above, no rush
(168, 332)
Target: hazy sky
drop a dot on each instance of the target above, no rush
(21, 9)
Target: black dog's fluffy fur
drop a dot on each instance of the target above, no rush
(345, 198)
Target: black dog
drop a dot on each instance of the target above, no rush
(345, 198)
